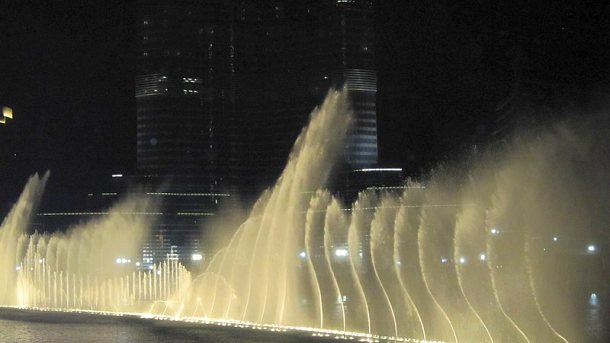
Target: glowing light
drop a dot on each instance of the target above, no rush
(18, 268)
(197, 257)
(591, 248)
(482, 257)
(462, 260)
(303, 254)
(555, 239)
(444, 260)
(494, 231)
(190, 194)
(7, 113)
(341, 252)
(593, 299)
(366, 170)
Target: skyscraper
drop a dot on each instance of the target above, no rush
(179, 92)
(224, 87)
(287, 54)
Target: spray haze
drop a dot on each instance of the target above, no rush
(492, 250)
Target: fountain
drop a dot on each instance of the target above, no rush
(494, 252)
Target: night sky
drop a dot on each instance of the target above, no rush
(67, 69)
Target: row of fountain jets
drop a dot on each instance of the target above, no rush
(465, 257)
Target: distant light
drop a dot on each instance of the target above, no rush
(303, 254)
(151, 267)
(122, 260)
(482, 257)
(555, 239)
(137, 264)
(18, 268)
(462, 260)
(341, 252)
(365, 170)
(7, 112)
(494, 231)
(444, 260)
(197, 257)
(158, 272)
(117, 175)
(591, 248)
(593, 299)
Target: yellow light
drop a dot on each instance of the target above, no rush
(7, 112)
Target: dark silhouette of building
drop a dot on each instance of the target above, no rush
(224, 87)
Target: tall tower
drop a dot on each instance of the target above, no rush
(224, 87)
(359, 76)
(287, 54)
(179, 92)
(181, 119)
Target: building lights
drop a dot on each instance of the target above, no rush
(494, 231)
(367, 170)
(122, 260)
(7, 113)
(196, 257)
(341, 252)
(190, 194)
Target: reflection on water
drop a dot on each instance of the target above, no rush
(115, 331)
(596, 313)
(40, 327)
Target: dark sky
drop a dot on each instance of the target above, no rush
(67, 70)
(66, 67)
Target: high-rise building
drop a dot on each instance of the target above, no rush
(286, 55)
(223, 89)
(181, 99)
(180, 92)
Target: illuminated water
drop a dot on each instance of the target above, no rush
(503, 249)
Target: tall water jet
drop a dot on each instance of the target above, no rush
(13, 227)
